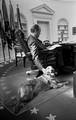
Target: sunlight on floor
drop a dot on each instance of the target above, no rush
(69, 93)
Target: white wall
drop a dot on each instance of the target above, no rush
(62, 10)
(65, 10)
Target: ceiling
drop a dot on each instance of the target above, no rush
(62, 0)
(66, 0)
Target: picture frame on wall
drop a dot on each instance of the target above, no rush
(73, 30)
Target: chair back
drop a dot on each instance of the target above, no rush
(22, 41)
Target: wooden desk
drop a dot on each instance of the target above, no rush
(62, 57)
(66, 56)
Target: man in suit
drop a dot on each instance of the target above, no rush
(37, 48)
(40, 53)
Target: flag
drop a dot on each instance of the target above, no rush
(6, 25)
(12, 21)
(2, 33)
(4, 9)
(5, 15)
(1, 22)
(18, 18)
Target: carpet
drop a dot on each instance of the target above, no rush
(43, 96)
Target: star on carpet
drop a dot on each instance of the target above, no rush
(34, 111)
(51, 117)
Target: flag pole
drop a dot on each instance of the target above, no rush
(18, 18)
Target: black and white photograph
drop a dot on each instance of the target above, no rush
(37, 59)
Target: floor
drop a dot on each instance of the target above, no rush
(57, 104)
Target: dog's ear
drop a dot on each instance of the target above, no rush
(50, 69)
(53, 70)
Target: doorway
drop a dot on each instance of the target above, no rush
(45, 31)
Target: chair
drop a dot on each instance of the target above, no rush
(46, 43)
(22, 51)
(19, 54)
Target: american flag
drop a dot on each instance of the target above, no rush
(11, 16)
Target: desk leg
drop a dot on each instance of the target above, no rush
(16, 61)
(75, 56)
(24, 61)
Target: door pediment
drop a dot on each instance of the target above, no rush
(44, 9)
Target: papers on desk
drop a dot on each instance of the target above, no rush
(53, 47)
(69, 42)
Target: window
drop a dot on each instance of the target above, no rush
(62, 30)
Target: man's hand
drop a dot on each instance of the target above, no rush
(44, 70)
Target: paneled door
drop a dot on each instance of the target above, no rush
(45, 31)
